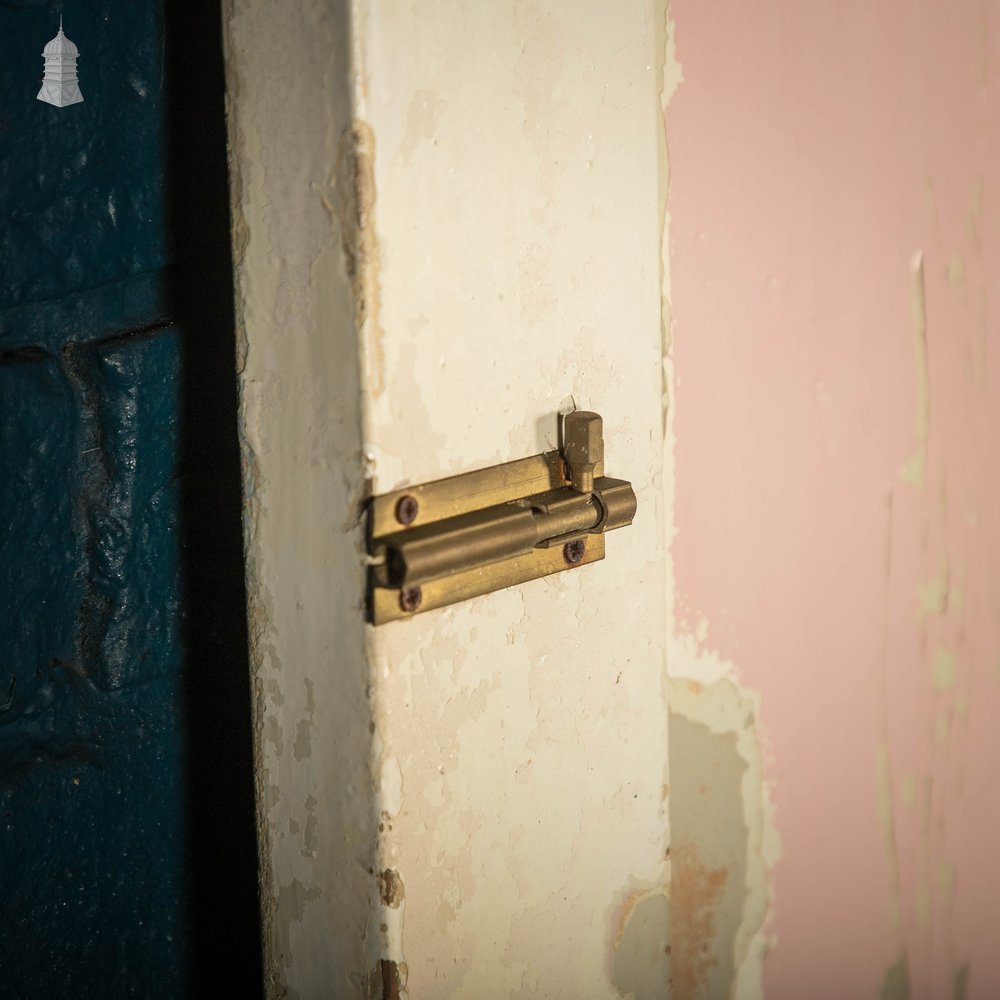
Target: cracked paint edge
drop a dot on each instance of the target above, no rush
(702, 685)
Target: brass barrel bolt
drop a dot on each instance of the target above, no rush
(478, 532)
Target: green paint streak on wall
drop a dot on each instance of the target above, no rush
(896, 984)
(960, 989)
(943, 670)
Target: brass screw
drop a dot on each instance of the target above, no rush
(573, 551)
(406, 509)
(410, 598)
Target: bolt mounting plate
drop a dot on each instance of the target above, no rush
(481, 531)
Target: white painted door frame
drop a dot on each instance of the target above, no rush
(448, 224)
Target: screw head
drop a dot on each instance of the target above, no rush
(410, 598)
(573, 552)
(406, 509)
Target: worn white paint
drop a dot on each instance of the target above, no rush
(419, 296)
(289, 103)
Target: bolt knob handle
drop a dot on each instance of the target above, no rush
(583, 447)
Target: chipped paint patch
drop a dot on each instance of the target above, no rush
(934, 596)
(703, 963)
(670, 75)
(291, 902)
(642, 951)
(391, 890)
(387, 980)
(723, 840)
(708, 855)
(354, 190)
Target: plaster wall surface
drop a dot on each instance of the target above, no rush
(834, 171)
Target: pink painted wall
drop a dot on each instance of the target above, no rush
(835, 262)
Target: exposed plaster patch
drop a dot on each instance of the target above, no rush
(354, 191)
(641, 959)
(384, 931)
(723, 838)
(703, 963)
(709, 855)
(691, 659)
(387, 980)
(391, 890)
(724, 842)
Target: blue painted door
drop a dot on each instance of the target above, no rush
(127, 846)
